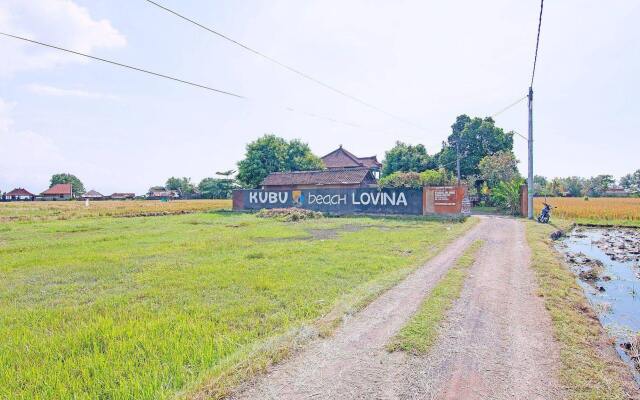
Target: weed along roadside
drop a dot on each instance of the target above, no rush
(590, 367)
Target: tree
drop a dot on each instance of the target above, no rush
(76, 185)
(499, 167)
(631, 181)
(477, 138)
(274, 154)
(406, 158)
(541, 186)
(183, 185)
(300, 158)
(596, 186)
(573, 186)
(506, 195)
(216, 188)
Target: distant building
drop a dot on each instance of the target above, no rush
(122, 196)
(161, 193)
(93, 195)
(617, 191)
(19, 194)
(343, 170)
(61, 191)
(341, 158)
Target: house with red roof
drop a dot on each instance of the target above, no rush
(341, 158)
(60, 191)
(19, 194)
(342, 170)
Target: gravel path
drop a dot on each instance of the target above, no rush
(497, 343)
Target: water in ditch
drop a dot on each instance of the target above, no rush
(606, 262)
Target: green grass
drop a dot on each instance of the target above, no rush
(584, 372)
(421, 332)
(154, 307)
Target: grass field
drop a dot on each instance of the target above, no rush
(152, 307)
(61, 210)
(600, 211)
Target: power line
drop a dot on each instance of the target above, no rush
(119, 64)
(535, 58)
(285, 66)
(508, 107)
(194, 84)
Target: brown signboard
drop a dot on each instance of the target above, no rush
(443, 199)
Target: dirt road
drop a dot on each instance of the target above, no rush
(496, 344)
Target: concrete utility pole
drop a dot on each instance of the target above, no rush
(458, 158)
(530, 179)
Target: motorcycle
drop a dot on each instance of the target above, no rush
(545, 215)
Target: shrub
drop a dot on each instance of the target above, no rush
(288, 214)
(506, 196)
(430, 177)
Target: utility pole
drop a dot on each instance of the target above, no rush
(530, 180)
(458, 158)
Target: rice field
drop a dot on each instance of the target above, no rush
(61, 210)
(601, 210)
(159, 307)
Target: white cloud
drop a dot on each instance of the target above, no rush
(60, 22)
(46, 90)
(26, 158)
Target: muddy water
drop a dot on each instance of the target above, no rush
(607, 265)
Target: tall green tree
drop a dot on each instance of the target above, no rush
(477, 138)
(597, 185)
(76, 184)
(216, 188)
(631, 181)
(271, 153)
(406, 158)
(183, 185)
(499, 167)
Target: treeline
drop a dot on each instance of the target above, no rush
(597, 186)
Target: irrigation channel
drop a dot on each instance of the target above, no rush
(606, 262)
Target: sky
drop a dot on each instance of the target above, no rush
(424, 61)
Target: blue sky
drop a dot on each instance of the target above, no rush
(425, 61)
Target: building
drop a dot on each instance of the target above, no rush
(122, 196)
(61, 191)
(342, 170)
(161, 193)
(93, 195)
(19, 194)
(617, 191)
(335, 178)
(341, 158)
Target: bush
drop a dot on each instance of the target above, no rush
(430, 177)
(506, 196)
(288, 214)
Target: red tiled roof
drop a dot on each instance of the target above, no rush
(341, 158)
(19, 192)
(344, 176)
(371, 162)
(60, 188)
